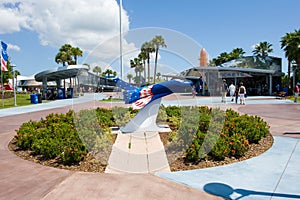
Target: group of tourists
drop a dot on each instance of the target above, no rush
(235, 92)
(296, 91)
(239, 91)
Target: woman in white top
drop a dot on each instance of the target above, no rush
(231, 91)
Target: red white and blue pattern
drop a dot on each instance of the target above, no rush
(141, 102)
(4, 57)
(146, 91)
(140, 97)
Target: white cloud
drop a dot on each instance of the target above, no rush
(78, 22)
(13, 47)
(11, 20)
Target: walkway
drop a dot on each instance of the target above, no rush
(21, 179)
(272, 175)
(139, 152)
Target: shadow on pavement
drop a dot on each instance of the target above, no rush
(227, 192)
(291, 133)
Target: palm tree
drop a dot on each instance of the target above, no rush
(290, 43)
(158, 41)
(225, 57)
(65, 54)
(143, 57)
(62, 57)
(108, 72)
(222, 58)
(236, 53)
(97, 70)
(262, 49)
(17, 73)
(88, 65)
(129, 76)
(148, 48)
(137, 64)
(133, 65)
(75, 52)
(158, 76)
(114, 73)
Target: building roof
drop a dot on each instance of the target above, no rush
(61, 72)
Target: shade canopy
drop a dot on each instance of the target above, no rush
(59, 73)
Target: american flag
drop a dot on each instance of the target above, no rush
(4, 57)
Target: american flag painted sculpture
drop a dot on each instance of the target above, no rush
(148, 99)
(141, 96)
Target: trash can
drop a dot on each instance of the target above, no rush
(34, 98)
(61, 93)
(50, 94)
(39, 98)
(70, 93)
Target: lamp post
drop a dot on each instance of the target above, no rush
(14, 86)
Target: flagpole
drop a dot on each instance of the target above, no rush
(3, 65)
(2, 88)
(121, 47)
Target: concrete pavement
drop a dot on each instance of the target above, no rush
(272, 175)
(140, 152)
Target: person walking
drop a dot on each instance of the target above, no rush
(242, 92)
(236, 93)
(224, 90)
(193, 91)
(296, 91)
(231, 91)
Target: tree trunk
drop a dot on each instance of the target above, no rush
(155, 67)
(148, 61)
(289, 74)
(144, 64)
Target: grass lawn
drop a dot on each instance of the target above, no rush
(22, 100)
(292, 98)
(111, 100)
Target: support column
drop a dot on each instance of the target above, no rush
(145, 120)
(44, 86)
(270, 84)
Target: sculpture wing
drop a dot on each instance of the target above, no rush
(140, 97)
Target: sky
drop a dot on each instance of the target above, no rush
(35, 30)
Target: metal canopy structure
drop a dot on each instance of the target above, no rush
(60, 73)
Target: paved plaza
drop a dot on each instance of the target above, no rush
(273, 175)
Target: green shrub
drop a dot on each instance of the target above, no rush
(53, 137)
(192, 152)
(105, 117)
(162, 115)
(26, 134)
(224, 134)
(221, 149)
(238, 145)
(173, 111)
(121, 116)
(198, 131)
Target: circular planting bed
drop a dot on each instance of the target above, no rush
(77, 141)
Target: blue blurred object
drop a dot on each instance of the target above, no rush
(61, 93)
(34, 98)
